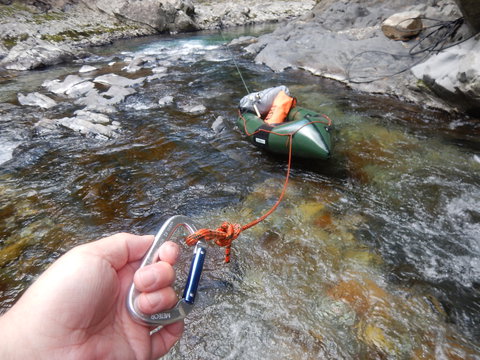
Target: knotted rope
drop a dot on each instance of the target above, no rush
(227, 232)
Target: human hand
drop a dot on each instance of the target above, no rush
(76, 309)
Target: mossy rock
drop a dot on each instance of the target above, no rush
(10, 41)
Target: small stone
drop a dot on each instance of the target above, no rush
(195, 109)
(218, 125)
(166, 100)
(159, 69)
(403, 26)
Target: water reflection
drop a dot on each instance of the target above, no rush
(373, 254)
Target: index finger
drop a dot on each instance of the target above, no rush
(120, 249)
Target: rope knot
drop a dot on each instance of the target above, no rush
(230, 231)
(222, 236)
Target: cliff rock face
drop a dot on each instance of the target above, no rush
(165, 15)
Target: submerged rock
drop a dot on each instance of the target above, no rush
(139, 62)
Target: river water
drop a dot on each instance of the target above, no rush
(373, 254)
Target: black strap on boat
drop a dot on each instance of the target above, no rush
(260, 139)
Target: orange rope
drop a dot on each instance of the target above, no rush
(227, 232)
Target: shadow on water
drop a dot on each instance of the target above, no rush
(373, 254)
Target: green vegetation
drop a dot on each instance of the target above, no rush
(7, 11)
(51, 16)
(11, 41)
(76, 35)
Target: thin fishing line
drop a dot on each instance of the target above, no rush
(235, 62)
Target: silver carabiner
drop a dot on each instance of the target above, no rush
(185, 304)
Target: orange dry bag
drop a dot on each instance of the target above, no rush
(280, 108)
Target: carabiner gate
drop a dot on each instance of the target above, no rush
(184, 305)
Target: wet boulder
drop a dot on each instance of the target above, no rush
(166, 100)
(194, 109)
(218, 125)
(117, 94)
(36, 99)
(93, 117)
(80, 89)
(85, 127)
(87, 68)
(117, 80)
(95, 101)
(62, 87)
(88, 123)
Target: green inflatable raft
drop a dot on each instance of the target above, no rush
(310, 131)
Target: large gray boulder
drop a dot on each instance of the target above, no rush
(163, 15)
(454, 75)
(36, 99)
(34, 53)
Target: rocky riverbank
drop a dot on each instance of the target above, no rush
(343, 40)
(34, 36)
